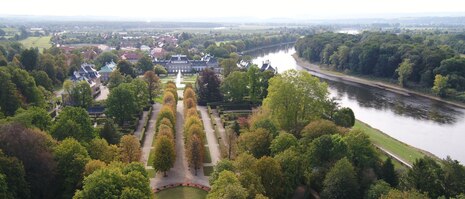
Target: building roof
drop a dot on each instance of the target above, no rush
(86, 73)
(130, 56)
(267, 66)
(108, 68)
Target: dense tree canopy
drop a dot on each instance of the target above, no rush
(73, 122)
(208, 87)
(295, 98)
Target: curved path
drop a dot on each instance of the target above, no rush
(180, 173)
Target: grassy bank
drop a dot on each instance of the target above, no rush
(404, 151)
(39, 42)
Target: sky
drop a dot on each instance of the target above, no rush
(260, 9)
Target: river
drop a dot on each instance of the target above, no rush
(423, 123)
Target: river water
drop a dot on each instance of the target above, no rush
(426, 124)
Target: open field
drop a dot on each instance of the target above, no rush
(405, 152)
(39, 42)
(181, 193)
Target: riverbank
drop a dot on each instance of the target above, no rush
(381, 85)
(400, 151)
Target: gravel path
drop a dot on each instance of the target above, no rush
(147, 146)
(211, 137)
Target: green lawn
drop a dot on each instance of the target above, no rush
(39, 42)
(181, 193)
(402, 150)
(208, 158)
(207, 170)
(151, 157)
(151, 173)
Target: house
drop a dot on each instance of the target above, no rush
(106, 70)
(182, 63)
(145, 48)
(266, 65)
(87, 73)
(131, 57)
(158, 53)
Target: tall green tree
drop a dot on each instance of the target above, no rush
(227, 186)
(255, 142)
(41, 78)
(81, 94)
(282, 142)
(404, 71)
(15, 177)
(159, 69)
(105, 57)
(110, 132)
(295, 98)
(427, 176)
(121, 104)
(116, 182)
(33, 117)
(9, 99)
(234, 86)
(30, 59)
(228, 65)
(440, 85)
(126, 68)
(164, 155)
(153, 84)
(115, 79)
(73, 122)
(144, 64)
(389, 174)
(341, 181)
(291, 163)
(454, 178)
(71, 158)
(271, 175)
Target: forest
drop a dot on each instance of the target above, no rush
(426, 62)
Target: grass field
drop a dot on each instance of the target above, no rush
(207, 158)
(151, 157)
(39, 42)
(181, 193)
(151, 173)
(402, 150)
(207, 170)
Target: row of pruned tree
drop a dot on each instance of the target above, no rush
(193, 130)
(165, 151)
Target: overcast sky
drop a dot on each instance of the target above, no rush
(264, 9)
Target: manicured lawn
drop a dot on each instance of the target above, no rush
(402, 150)
(39, 42)
(181, 193)
(207, 170)
(151, 157)
(151, 173)
(208, 158)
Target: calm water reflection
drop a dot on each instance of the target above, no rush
(423, 123)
